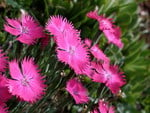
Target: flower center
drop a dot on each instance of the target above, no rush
(71, 50)
(24, 82)
(107, 75)
(24, 30)
(76, 92)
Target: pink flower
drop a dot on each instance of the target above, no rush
(70, 49)
(3, 108)
(104, 23)
(76, 89)
(111, 31)
(105, 108)
(3, 61)
(111, 76)
(115, 79)
(26, 82)
(26, 29)
(4, 93)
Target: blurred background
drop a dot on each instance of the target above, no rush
(133, 16)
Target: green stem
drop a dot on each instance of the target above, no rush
(46, 8)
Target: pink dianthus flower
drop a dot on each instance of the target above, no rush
(111, 31)
(26, 29)
(105, 108)
(109, 75)
(26, 82)
(78, 92)
(70, 49)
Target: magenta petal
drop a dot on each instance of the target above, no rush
(25, 38)
(15, 70)
(14, 23)
(98, 53)
(29, 68)
(93, 14)
(11, 30)
(88, 42)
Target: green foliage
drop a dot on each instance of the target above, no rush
(133, 59)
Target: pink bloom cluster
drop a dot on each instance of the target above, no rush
(74, 52)
(26, 81)
(111, 31)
